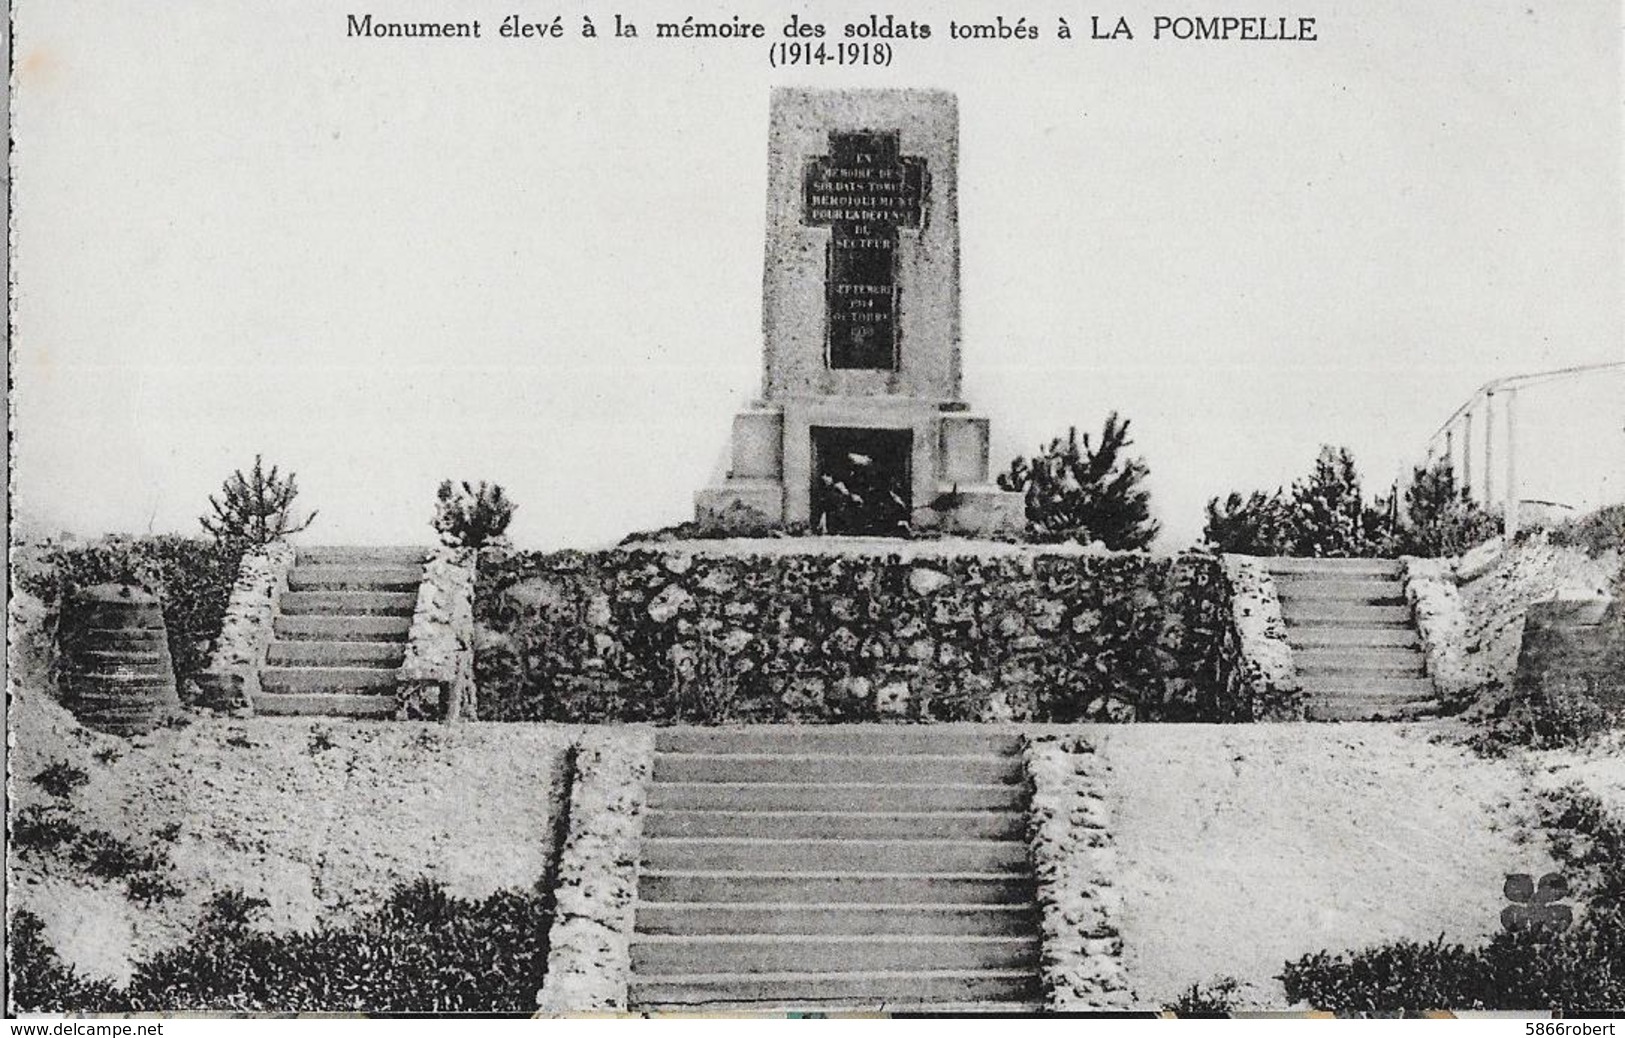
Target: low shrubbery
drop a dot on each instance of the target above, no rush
(192, 579)
(1596, 534)
(1326, 514)
(423, 951)
(1540, 719)
(1572, 970)
(50, 831)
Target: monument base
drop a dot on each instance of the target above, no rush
(929, 459)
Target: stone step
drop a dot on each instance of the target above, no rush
(1365, 592)
(125, 637)
(828, 887)
(833, 767)
(833, 796)
(1335, 567)
(837, 824)
(871, 739)
(662, 955)
(324, 704)
(151, 654)
(1340, 614)
(390, 577)
(348, 603)
(1355, 708)
(311, 653)
(343, 628)
(876, 989)
(353, 555)
(1353, 638)
(1360, 663)
(1376, 686)
(770, 918)
(756, 854)
(328, 679)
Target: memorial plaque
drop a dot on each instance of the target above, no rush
(864, 191)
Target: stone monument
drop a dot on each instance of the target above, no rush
(860, 428)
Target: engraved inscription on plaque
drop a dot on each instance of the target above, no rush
(864, 192)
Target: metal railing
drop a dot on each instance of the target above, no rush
(1455, 437)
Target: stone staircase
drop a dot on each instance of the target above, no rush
(1353, 639)
(788, 867)
(340, 632)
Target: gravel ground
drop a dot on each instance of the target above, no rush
(320, 817)
(1241, 847)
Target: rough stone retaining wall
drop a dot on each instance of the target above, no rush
(710, 632)
(1069, 836)
(589, 960)
(1441, 623)
(436, 678)
(1256, 658)
(232, 679)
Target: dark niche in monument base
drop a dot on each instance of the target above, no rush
(861, 481)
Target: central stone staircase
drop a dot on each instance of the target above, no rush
(872, 867)
(340, 632)
(1353, 639)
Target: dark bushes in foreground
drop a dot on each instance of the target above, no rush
(423, 951)
(1574, 970)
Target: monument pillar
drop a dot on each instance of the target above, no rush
(860, 428)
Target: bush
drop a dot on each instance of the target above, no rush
(1440, 518)
(255, 509)
(424, 951)
(1326, 515)
(1255, 525)
(1542, 719)
(1078, 492)
(41, 983)
(60, 779)
(41, 830)
(1597, 534)
(192, 579)
(1571, 971)
(1217, 998)
(471, 517)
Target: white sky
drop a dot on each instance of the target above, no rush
(384, 262)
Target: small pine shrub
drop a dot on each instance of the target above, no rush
(39, 829)
(1077, 491)
(255, 509)
(1217, 998)
(48, 831)
(1326, 514)
(60, 779)
(467, 516)
(1254, 525)
(1440, 517)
